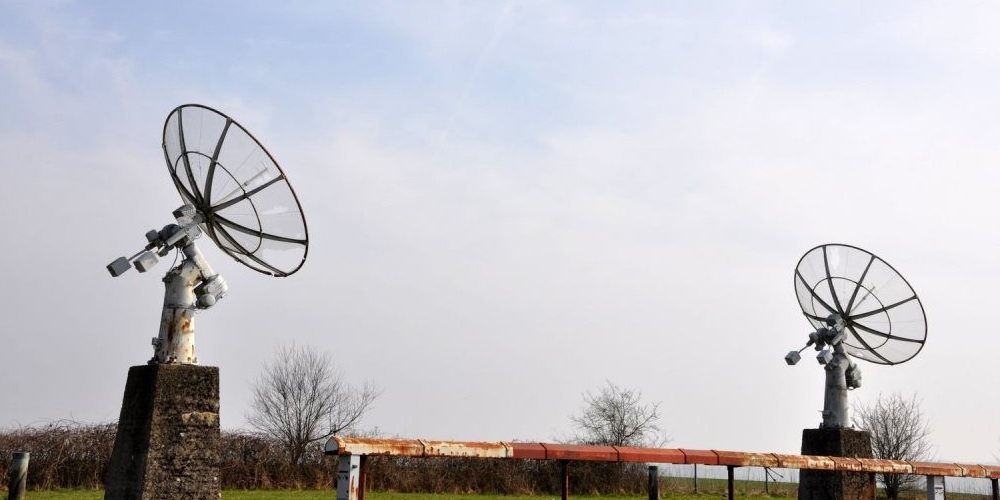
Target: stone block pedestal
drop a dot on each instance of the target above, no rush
(167, 445)
(835, 485)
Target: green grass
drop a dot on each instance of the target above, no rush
(281, 495)
(330, 495)
(670, 489)
(64, 495)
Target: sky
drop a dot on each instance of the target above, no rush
(511, 203)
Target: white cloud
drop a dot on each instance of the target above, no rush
(773, 40)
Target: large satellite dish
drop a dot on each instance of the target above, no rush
(860, 306)
(234, 191)
(881, 311)
(246, 205)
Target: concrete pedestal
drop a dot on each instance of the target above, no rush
(167, 445)
(830, 485)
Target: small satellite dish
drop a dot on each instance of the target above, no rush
(234, 191)
(860, 306)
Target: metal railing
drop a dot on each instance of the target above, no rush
(353, 453)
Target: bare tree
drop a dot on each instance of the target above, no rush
(899, 431)
(300, 397)
(617, 416)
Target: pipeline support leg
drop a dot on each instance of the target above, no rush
(564, 468)
(935, 487)
(18, 475)
(654, 482)
(348, 477)
(732, 480)
(363, 479)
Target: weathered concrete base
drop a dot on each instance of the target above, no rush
(828, 485)
(167, 446)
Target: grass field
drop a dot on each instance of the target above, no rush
(670, 488)
(330, 495)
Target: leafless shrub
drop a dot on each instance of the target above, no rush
(899, 431)
(617, 416)
(257, 461)
(64, 453)
(300, 397)
(501, 477)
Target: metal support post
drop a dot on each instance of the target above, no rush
(935, 487)
(732, 479)
(363, 479)
(18, 475)
(348, 477)
(564, 467)
(995, 483)
(654, 482)
(695, 479)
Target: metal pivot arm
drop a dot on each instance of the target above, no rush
(212, 287)
(842, 374)
(190, 286)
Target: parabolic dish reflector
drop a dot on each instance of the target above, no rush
(883, 316)
(242, 196)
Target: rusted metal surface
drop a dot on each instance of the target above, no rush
(527, 450)
(744, 459)
(580, 452)
(810, 462)
(937, 469)
(338, 445)
(849, 464)
(974, 470)
(650, 455)
(349, 486)
(703, 457)
(465, 449)
(992, 471)
(885, 466)
(175, 342)
(375, 446)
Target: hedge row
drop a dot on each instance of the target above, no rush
(68, 454)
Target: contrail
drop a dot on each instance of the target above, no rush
(483, 56)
